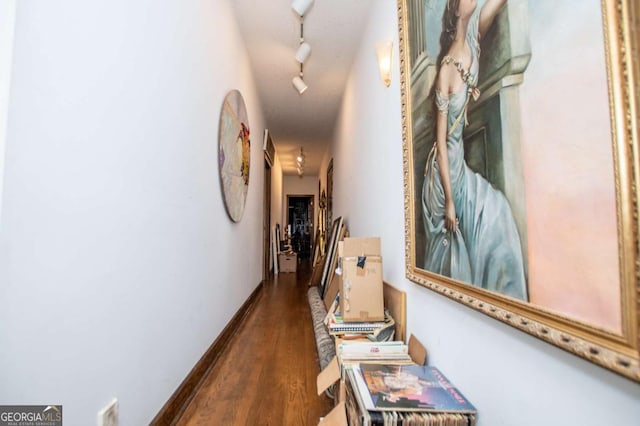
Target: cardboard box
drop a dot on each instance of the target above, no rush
(332, 374)
(361, 293)
(288, 262)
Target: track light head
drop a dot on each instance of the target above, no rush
(301, 6)
(300, 158)
(299, 84)
(303, 52)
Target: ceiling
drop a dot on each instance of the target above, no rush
(271, 31)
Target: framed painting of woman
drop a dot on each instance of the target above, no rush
(521, 165)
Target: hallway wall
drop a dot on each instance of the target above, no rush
(7, 21)
(511, 377)
(118, 263)
(277, 194)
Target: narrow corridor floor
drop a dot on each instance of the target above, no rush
(267, 374)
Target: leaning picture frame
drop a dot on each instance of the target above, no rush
(537, 223)
(331, 257)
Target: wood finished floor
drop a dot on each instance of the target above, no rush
(267, 374)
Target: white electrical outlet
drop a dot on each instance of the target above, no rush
(108, 416)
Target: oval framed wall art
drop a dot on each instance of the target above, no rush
(234, 154)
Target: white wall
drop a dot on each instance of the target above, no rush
(7, 21)
(276, 201)
(324, 165)
(511, 377)
(118, 264)
(276, 192)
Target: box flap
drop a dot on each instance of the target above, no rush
(417, 351)
(362, 247)
(336, 417)
(328, 376)
(342, 392)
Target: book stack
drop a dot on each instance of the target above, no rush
(392, 394)
(373, 352)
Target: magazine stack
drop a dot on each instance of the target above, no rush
(374, 330)
(392, 394)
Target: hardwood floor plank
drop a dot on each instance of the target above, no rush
(173, 408)
(267, 374)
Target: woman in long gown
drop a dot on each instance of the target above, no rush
(470, 231)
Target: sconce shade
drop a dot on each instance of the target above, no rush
(303, 52)
(384, 50)
(299, 84)
(301, 6)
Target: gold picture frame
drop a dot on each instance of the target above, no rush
(613, 344)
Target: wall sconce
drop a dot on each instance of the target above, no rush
(384, 51)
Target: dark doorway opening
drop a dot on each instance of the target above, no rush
(300, 219)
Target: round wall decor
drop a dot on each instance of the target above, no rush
(234, 154)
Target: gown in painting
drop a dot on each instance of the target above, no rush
(485, 250)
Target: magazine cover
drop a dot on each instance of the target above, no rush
(408, 388)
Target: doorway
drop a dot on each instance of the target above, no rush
(300, 216)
